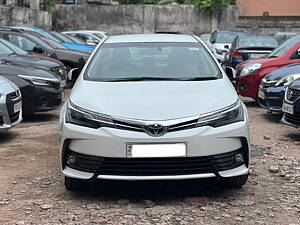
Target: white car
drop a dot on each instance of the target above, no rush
(153, 107)
(222, 41)
(91, 37)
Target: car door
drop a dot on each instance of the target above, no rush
(294, 54)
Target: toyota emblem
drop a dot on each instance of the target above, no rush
(156, 130)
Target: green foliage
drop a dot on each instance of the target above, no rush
(47, 5)
(216, 6)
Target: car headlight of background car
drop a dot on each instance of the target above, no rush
(230, 114)
(82, 117)
(40, 81)
(285, 81)
(250, 69)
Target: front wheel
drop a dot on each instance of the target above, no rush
(73, 184)
(235, 182)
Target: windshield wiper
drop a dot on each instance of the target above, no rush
(272, 56)
(140, 79)
(200, 78)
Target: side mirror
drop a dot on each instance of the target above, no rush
(231, 73)
(71, 73)
(38, 49)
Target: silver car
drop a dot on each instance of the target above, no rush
(10, 104)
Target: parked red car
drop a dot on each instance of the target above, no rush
(250, 73)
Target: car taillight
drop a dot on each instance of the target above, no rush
(237, 55)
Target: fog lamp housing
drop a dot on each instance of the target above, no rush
(239, 158)
(71, 159)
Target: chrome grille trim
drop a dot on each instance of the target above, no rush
(291, 95)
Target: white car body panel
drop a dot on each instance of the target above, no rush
(153, 101)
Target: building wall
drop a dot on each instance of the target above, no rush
(15, 16)
(126, 19)
(274, 7)
(121, 19)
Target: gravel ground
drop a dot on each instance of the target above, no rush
(32, 190)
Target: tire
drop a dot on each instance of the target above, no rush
(73, 184)
(235, 182)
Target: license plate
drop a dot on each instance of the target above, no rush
(287, 108)
(255, 56)
(63, 83)
(17, 107)
(261, 94)
(156, 150)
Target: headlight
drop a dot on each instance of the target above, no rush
(40, 81)
(228, 115)
(82, 117)
(287, 80)
(250, 69)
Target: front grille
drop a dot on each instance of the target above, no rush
(292, 95)
(154, 166)
(141, 127)
(14, 95)
(293, 119)
(14, 117)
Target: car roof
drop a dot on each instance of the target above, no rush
(256, 35)
(151, 38)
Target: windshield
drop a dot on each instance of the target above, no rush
(98, 35)
(284, 47)
(75, 39)
(53, 44)
(226, 37)
(257, 41)
(14, 48)
(152, 60)
(205, 37)
(4, 49)
(62, 37)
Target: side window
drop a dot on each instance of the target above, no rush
(21, 42)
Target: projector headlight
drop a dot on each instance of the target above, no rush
(82, 117)
(228, 115)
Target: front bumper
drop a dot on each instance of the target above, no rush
(248, 86)
(39, 99)
(103, 153)
(293, 120)
(271, 98)
(8, 117)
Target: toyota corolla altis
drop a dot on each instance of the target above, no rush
(153, 107)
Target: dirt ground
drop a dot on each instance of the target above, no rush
(32, 190)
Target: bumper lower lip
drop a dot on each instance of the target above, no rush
(273, 98)
(284, 121)
(241, 170)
